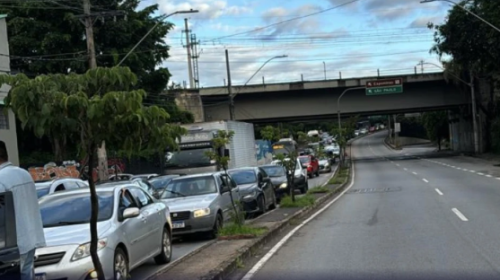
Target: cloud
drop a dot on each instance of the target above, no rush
(423, 21)
(208, 9)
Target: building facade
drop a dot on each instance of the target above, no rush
(7, 119)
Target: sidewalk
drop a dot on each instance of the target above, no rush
(222, 257)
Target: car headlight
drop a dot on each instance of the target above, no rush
(201, 212)
(250, 195)
(283, 186)
(83, 250)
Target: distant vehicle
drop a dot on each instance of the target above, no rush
(356, 132)
(306, 152)
(363, 131)
(145, 176)
(324, 165)
(301, 181)
(132, 228)
(120, 177)
(192, 158)
(285, 146)
(311, 164)
(256, 189)
(57, 185)
(372, 129)
(160, 183)
(277, 173)
(200, 203)
(333, 150)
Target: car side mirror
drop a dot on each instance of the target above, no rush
(131, 212)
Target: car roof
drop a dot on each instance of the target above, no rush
(244, 168)
(165, 177)
(111, 187)
(195, 176)
(271, 165)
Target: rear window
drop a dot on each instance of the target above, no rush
(304, 159)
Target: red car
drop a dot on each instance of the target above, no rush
(311, 163)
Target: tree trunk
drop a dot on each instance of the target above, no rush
(94, 237)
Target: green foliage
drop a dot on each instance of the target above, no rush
(341, 176)
(236, 230)
(219, 142)
(269, 133)
(319, 190)
(302, 201)
(471, 43)
(436, 125)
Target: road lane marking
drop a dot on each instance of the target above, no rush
(472, 171)
(479, 173)
(488, 175)
(282, 242)
(414, 173)
(397, 164)
(439, 192)
(459, 214)
(425, 180)
(498, 178)
(465, 169)
(406, 169)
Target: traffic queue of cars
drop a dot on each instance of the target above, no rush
(140, 214)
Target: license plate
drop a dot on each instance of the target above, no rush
(179, 225)
(40, 276)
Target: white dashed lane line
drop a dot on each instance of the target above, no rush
(425, 180)
(479, 173)
(439, 192)
(459, 214)
(415, 173)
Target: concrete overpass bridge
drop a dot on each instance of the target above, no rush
(314, 100)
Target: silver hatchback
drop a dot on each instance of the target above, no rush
(132, 228)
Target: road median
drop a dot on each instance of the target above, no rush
(220, 258)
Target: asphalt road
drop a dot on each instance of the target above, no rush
(186, 246)
(403, 218)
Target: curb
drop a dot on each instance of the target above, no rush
(226, 268)
(390, 146)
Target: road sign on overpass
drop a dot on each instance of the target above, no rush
(386, 86)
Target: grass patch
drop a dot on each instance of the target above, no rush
(303, 201)
(340, 177)
(318, 190)
(236, 230)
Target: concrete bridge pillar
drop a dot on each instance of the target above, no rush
(191, 102)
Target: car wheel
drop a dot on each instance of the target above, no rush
(317, 173)
(121, 269)
(305, 188)
(214, 233)
(166, 248)
(261, 202)
(273, 205)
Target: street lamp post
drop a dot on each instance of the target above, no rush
(324, 69)
(473, 97)
(338, 117)
(232, 115)
(153, 28)
(466, 10)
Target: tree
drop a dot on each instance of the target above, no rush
(220, 141)
(101, 105)
(290, 164)
(270, 133)
(436, 125)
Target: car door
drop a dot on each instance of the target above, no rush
(225, 198)
(150, 213)
(133, 229)
(267, 186)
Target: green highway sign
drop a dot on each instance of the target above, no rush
(386, 86)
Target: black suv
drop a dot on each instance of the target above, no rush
(9, 252)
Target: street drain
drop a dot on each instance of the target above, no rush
(375, 190)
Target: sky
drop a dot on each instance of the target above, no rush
(332, 38)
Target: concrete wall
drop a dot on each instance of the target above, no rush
(312, 103)
(191, 102)
(7, 133)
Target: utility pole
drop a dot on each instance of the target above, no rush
(474, 117)
(89, 32)
(421, 66)
(229, 90)
(188, 48)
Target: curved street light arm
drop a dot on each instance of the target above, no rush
(262, 66)
(445, 70)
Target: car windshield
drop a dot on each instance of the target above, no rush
(189, 158)
(160, 183)
(304, 160)
(60, 210)
(190, 187)
(242, 177)
(274, 171)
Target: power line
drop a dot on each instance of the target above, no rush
(284, 21)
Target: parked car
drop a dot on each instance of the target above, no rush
(9, 251)
(132, 228)
(363, 131)
(372, 129)
(120, 177)
(311, 164)
(256, 189)
(324, 165)
(333, 150)
(160, 183)
(200, 203)
(145, 176)
(300, 180)
(144, 184)
(57, 185)
(277, 173)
